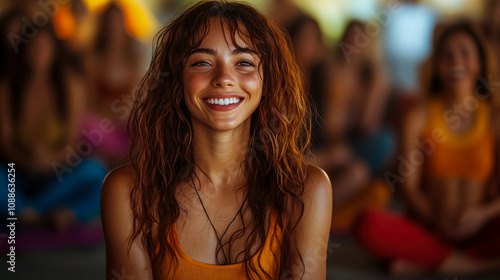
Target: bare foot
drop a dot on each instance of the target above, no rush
(405, 268)
(458, 263)
(62, 219)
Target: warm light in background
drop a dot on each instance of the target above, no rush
(332, 15)
(140, 22)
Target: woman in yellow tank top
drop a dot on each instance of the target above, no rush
(450, 146)
(468, 155)
(217, 186)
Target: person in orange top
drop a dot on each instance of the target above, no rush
(450, 146)
(217, 186)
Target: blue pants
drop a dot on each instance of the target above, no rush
(375, 149)
(79, 190)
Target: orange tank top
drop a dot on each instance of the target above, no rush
(470, 155)
(264, 260)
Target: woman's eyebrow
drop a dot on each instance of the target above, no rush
(244, 50)
(201, 50)
(234, 52)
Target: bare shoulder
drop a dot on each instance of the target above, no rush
(318, 188)
(313, 229)
(415, 118)
(117, 223)
(317, 179)
(123, 176)
(117, 185)
(417, 113)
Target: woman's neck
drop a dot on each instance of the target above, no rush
(220, 155)
(458, 97)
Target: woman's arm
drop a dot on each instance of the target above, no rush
(413, 126)
(314, 227)
(117, 223)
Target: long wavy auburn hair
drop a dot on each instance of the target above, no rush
(162, 138)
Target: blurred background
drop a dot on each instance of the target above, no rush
(69, 69)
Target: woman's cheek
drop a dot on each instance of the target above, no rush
(252, 83)
(193, 83)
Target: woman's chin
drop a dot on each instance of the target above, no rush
(226, 124)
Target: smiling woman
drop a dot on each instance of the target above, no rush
(222, 81)
(453, 222)
(217, 186)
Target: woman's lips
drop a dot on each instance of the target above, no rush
(222, 103)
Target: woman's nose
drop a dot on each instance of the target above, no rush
(224, 77)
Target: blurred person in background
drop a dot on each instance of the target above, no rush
(284, 12)
(359, 96)
(355, 146)
(309, 49)
(115, 68)
(74, 24)
(450, 147)
(10, 24)
(310, 52)
(41, 109)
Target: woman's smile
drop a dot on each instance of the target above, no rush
(223, 102)
(222, 81)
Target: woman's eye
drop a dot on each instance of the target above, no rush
(201, 63)
(245, 63)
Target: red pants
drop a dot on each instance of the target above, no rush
(395, 237)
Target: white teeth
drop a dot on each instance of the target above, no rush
(223, 101)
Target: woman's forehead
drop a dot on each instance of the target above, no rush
(219, 31)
